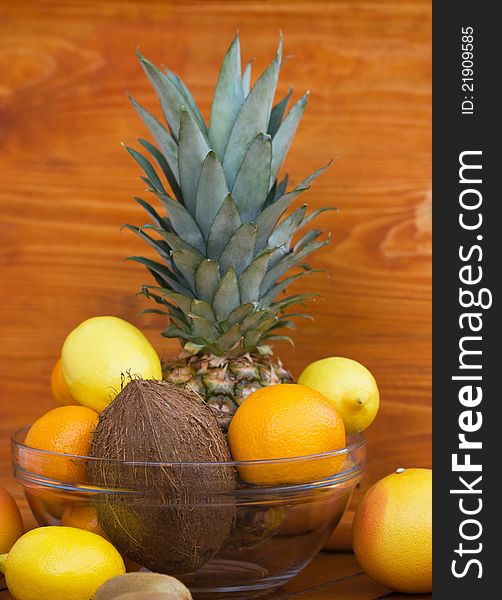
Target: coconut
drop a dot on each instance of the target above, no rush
(171, 518)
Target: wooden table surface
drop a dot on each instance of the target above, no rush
(67, 186)
(331, 576)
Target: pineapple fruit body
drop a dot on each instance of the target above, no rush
(225, 382)
(227, 244)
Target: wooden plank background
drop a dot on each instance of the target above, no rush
(67, 185)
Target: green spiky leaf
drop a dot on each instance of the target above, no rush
(157, 219)
(284, 136)
(241, 245)
(277, 113)
(183, 223)
(228, 98)
(305, 240)
(203, 329)
(207, 278)
(251, 278)
(285, 231)
(170, 97)
(278, 288)
(252, 182)
(202, 309)
(163, 138)
(302, 299)
(155, 311)
(174, 241)
(176, 332)
(252, 118)
(211, 192)
(192, 152)
(286, 264)
(166, 276)
(271, 215)
(164, 165)
(226, 222)
(189, 100)
(158, 245)
(279, 338)
(315, 213)
(238, 315)
(229, 339)
(153, 179)
(227, 297)
(251, 322)
(187, 263)
(246, 80)
(227, 245)
(281, 187)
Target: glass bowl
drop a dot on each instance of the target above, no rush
(274, 531)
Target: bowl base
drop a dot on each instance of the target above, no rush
(251, 580)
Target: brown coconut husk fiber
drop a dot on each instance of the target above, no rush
(174, 518)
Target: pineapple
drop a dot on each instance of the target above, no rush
(224, 241)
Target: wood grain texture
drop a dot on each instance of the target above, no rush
(67, 185)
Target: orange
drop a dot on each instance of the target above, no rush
(11, 523)
(284, 421)
(392, 531)
(321, 511)
(59, 388)
(82, 517)
(67, 430)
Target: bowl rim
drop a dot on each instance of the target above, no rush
(358, 443)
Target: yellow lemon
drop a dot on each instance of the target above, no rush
(101, 355)
(392, 531)
(349, 385)
(60, 563)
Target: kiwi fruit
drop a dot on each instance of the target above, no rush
(142, 583)
(171, 517)
(148, 596)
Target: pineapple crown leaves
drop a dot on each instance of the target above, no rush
(226, 247)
